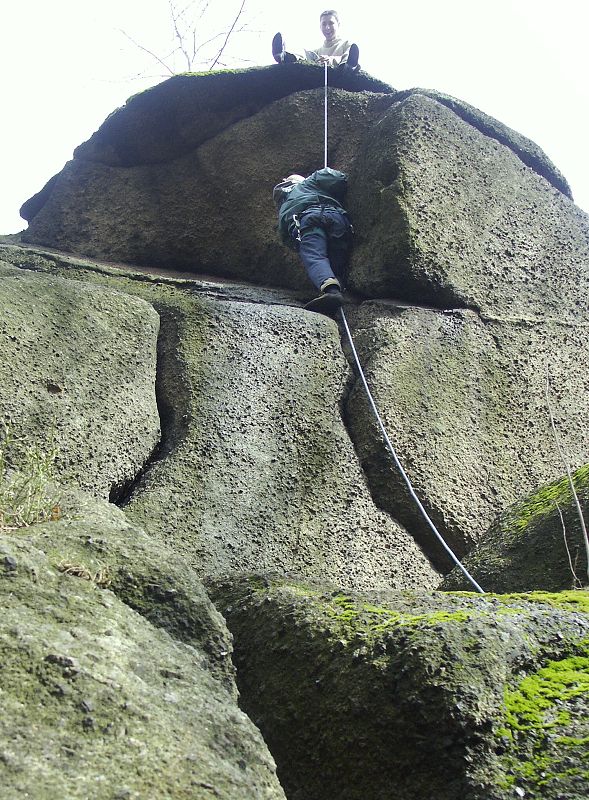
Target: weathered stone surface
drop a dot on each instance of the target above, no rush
(463, 399)
(97, 539)
(209, 210)
(194, 193)
(270, 460)
(258, 468)
(181, 113)
(525, 149)
(115, 679)
(462, 396)
(77, 371)
(438, 696)
(538, 542)
(449, 216)
(101, 701)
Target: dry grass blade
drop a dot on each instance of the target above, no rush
(567, 467)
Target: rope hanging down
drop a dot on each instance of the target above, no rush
(398, 463)
(325, 119)
(378, 417)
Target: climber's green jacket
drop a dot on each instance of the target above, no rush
(325, 188)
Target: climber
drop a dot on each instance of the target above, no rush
(312, 219)
(335, 51)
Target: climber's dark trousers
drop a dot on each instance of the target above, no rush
(324, 248)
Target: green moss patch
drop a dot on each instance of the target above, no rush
(547, 728)
(376, 619)
(544, 501)
(539, 700)
(573, 600)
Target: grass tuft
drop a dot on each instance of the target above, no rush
(26, 496)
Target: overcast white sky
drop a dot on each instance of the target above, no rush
(65, 65)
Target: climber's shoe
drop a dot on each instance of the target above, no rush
(329, 302)
(353, 56)
(278, 48)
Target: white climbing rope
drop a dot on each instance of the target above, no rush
(398, 463)
(325, 119)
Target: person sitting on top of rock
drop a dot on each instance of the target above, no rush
(312, 219)
(335, 51)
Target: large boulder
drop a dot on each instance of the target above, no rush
(464, 230)
(468, 301)
(181, 176)
(438, 696)
(463, 400)
(452, 216)
(179, 114)
(256, 465)
(539, 541)
(116, 680)
(77, 374)
(175, 179)
(210, 209)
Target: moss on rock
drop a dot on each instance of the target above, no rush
(547, 729)
(118, 688)
(356, 693)
(537, 543)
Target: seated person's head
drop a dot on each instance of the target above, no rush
(329, 24)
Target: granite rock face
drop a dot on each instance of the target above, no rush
(458, 219)
(464, 399)
(77, 373)
(456, 216)
(194, 390)
(256, 465)
(195, 193)
(263, 470)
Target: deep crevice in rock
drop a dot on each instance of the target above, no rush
(172, 424)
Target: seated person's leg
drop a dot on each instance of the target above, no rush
(351, 63)
(278, 52)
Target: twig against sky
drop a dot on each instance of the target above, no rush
(191, 37)
(219, 54)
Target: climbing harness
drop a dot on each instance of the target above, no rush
(375, 411)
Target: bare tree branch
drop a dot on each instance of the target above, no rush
(220, 53)
(204, 7)
(179, 36)
(148, 51)
(187, 28)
